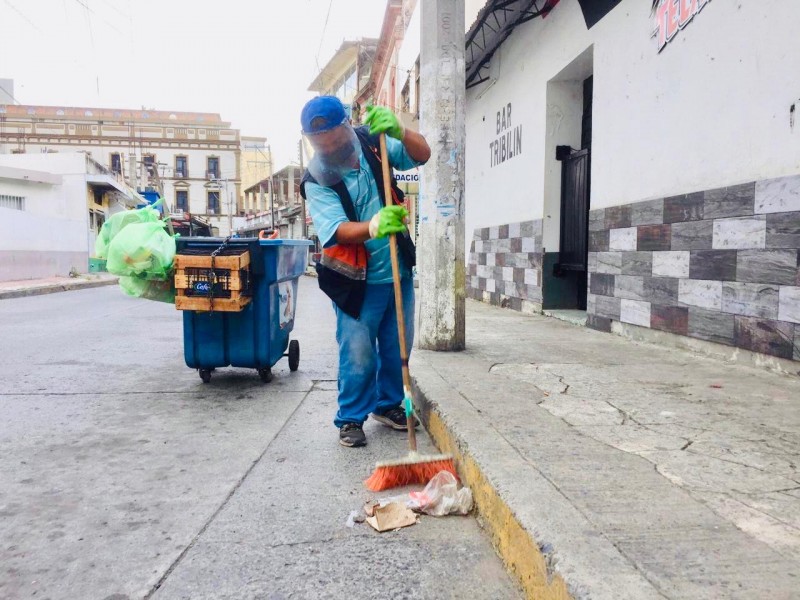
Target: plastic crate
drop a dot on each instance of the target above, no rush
(212, 279)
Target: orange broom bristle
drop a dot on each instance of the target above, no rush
(419, 470)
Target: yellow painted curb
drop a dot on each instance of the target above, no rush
(518, 550)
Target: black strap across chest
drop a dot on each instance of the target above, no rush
(369, 147)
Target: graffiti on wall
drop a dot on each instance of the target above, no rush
(672, 16)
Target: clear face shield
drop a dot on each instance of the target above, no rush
(336, 153)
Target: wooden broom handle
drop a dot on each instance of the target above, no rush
(398, 292)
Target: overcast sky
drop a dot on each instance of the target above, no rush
(250, 61)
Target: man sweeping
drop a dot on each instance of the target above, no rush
(344, 189)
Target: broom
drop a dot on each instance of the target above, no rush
(414, 468)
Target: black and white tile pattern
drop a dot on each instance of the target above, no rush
(505, 266)
(721, 265)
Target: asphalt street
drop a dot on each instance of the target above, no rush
(122, 475)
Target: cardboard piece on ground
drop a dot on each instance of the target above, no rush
(392, 516)
(369, 507)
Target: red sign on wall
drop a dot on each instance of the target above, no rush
(673, 15)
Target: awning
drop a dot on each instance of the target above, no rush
(494, 24)
(109, 183)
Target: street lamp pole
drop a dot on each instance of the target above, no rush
(271, 189)
(304, 226)
(230, 207)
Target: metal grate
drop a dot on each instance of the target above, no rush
(12, 202)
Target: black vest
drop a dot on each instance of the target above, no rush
(340, 284)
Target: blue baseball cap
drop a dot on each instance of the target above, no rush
(322, 114)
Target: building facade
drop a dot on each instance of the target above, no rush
(52, 207)
(394, 82)
(193, 158)
(347, 72)
(640, 161)
(276, 200)
(255, 161)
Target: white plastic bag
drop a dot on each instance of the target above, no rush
(442, 497)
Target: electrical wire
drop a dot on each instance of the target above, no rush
(89, 10)
(322, 35)
(21, 14)
(111, 5)
(88, 14)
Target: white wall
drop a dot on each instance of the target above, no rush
(49, 237)
(23, 231)
(65, 201)
(563, 128)
(711, 109)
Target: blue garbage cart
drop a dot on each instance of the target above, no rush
(258, 336)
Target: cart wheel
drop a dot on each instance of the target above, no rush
(265, 374)
(294, 355)
(205, 375)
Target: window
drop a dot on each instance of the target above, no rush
(350, 82)
(213, 203)
(345, 88)
(405, 97)
(116, 162)
(12, 202)
(212, 167)
(182, 200)
(96, 220)
(181, 166)
(149, 161)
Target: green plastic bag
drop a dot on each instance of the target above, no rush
(118, 222)
(161, 291)
(142, 249)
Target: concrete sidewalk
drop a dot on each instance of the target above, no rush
(606, 468)
(50, 285)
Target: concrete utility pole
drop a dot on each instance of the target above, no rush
(134, 181)
(440, 256)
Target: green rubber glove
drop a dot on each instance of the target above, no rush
(387, 220)
(382, 120)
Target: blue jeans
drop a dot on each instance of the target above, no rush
(370, 371)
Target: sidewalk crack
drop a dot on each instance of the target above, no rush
(578, 509)
(733, 462)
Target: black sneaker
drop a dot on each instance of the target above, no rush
(352, 435)
(394, 418)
